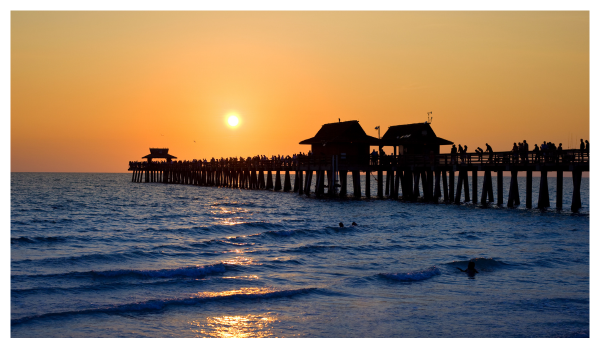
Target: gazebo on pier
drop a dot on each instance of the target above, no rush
(159, 153)
(345, 139)
(413, 139)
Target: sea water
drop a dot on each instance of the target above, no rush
(95, 255)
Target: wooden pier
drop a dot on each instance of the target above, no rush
(431, 178)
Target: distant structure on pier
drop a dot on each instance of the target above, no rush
(342, 139)
(413, 139)
(159, 153)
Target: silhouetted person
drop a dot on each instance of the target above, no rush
(341, 225)
(479, 152)
(536, 151)
(461, 153)
(467, 157)
(471, 271)
(453, 153)
(587, 148)
(488, 148)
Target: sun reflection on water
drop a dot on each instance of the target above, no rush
(236, 326)
(240, 260)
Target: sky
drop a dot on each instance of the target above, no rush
(93, 90)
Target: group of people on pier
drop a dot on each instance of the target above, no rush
(548, 152)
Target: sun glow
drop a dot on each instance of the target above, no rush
(233, 120)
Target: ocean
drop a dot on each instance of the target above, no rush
(95, 255)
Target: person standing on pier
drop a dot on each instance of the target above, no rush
(488, 148)
(581, 149)
(587, 149)
(453, 154)
(515, 151)
(536, 151)
(467, 157)
(525, 151)
(461, 153)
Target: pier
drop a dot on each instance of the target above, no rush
(433, 178)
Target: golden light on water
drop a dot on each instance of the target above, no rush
(237, 326)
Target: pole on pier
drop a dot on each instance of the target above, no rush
(437, 191)
(320, 187)
(396, 183)
(389, 178)
(458, 187)
(277, 180)
(416, 176)
(543, 196)
(407, 189)
(368, 184)
(269, 185)
(299, 181)
(576, 202)
(466, 182)
(445, 186)
(559, 189)
(287, 185)
(529, 190)
(474, 179)
(379, 183)
(451, 185)
(513, 192)
(500, 187)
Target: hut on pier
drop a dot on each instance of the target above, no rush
(414, 139)
(346, 139)
(159, 153)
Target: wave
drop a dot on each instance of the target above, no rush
(159, 304)
(188, 271)
(40, 239)
(192, 271)
(413, 276)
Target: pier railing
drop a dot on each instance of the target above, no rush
(570, 156)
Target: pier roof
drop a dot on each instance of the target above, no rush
(342, 132)
(416, 133)
(159, 153)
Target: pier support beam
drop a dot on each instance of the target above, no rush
(500, 187)
(368, 184)
(379, 183)
(343, 183)
(576, 202)
(543, 196)
(559, 189)
(445, 186)
(269, 185)
(277, 180)
(451, 191)
(529, 189)
(287, 184)
(513, 192)
(459, 187)
(474, 185)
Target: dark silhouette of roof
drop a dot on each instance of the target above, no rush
(416, 133)
(159, 153)
(342, 132)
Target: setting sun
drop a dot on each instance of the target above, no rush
(233, 121)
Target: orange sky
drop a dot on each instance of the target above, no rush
(91, 91)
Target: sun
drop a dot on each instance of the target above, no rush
(233, 120)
